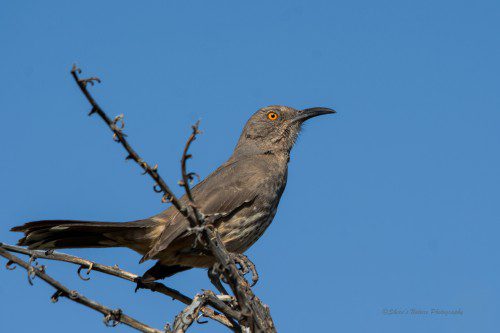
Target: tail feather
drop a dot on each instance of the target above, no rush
(57, 234)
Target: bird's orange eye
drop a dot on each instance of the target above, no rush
(272, 116)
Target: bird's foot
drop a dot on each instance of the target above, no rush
(215, 275)
(246, 266)
(140, 284)
(199, 232)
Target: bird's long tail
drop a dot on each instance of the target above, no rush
(57, 234)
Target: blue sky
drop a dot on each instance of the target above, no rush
(393, 203)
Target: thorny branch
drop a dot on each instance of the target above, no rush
(89, 266)
(246, 314)
(119, 136)
(188, 315)
(111, 317)
(187, 177)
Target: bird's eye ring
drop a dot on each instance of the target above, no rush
(272, 115)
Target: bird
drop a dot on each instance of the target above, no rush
(240, 198)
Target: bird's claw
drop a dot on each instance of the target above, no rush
(139, 284)
(215, 275)
(246, 266)
(198, 231)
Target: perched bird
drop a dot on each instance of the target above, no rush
(240, 197)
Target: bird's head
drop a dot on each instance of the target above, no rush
(274, 129)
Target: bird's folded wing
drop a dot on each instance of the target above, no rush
(221, 194)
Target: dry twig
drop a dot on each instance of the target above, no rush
(122, 274)
(111, 317)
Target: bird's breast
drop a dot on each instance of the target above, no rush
(245, 227)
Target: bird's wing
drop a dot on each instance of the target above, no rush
(224, 192)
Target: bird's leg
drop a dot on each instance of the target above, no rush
(142, 282)
(139, 284)
(198, 231)
(246, 266)
(214, 276)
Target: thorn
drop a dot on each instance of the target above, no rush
(113, 318)
(79, 272)
(75, 69)
(31, 269)
(157, 188)
(90, 80)
(73, 294)
(94, 110)
(191, 177)
(145, 166)
(117, 119)
(55, 297)
(9, 265)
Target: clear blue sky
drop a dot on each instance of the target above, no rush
(393, 203)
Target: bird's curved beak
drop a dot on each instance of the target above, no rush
(309, 113)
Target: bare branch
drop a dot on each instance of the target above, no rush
(93, 266)
(187, 178)
(186, 318)
(111, 317)
(119, 136)
(120, 273)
